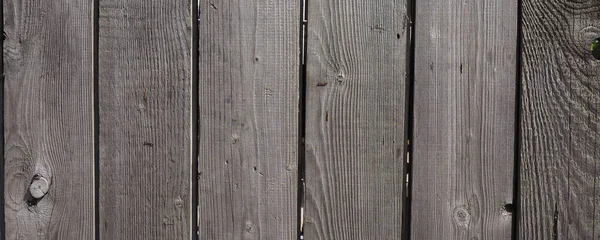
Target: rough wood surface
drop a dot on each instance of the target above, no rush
(559, 124)
(145, 119)
(464, 125)
(48, 119)
(355, 127)
(248, 119)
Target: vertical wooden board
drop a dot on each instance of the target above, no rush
(559, 122)
(355, 126)
(48, 119)
(464, 125)
(145, 119)
(248, 119)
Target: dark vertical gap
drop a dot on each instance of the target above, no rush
(195, 121)
(2, 161)
(96, 17)
(517, 147)
(595, 131)
(302, 116)
(409, 118)
(555, 225)
(590, 125)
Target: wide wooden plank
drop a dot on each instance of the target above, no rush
(248, 119)
(355, 124)
(464, 119)
(559, 124)
(145, 119)
(48, 117)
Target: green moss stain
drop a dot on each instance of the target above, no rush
(595, 48)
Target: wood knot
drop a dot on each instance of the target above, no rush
(235, 138)
(178, 203)
(289, 167)
(248, 227)
(462, 216)
(39, 186)
(340, 77)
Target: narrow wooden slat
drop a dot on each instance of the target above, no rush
(248, 119)
(145, 110)
(464, 119)
(48, 119)
(355, 127)
(559, 188)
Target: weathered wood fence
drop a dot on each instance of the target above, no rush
(272, 119)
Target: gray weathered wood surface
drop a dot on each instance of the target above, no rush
(145, 106)
(248, 119)
(464, 125)
(48, 118)
(355, 127)
(248, 100)
(559, 123)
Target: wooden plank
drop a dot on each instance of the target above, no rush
(355, 126)
(48, 64)
(145, 119)
(248, 119)
(559, 123)
(464, 121)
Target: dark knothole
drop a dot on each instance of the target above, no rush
(509, 207)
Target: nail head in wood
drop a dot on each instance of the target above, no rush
(39, 186)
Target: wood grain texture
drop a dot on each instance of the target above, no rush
(559, 123)
(355, 127)
(145, 119)
(48, 118)
(464, 125)
(248, 119)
